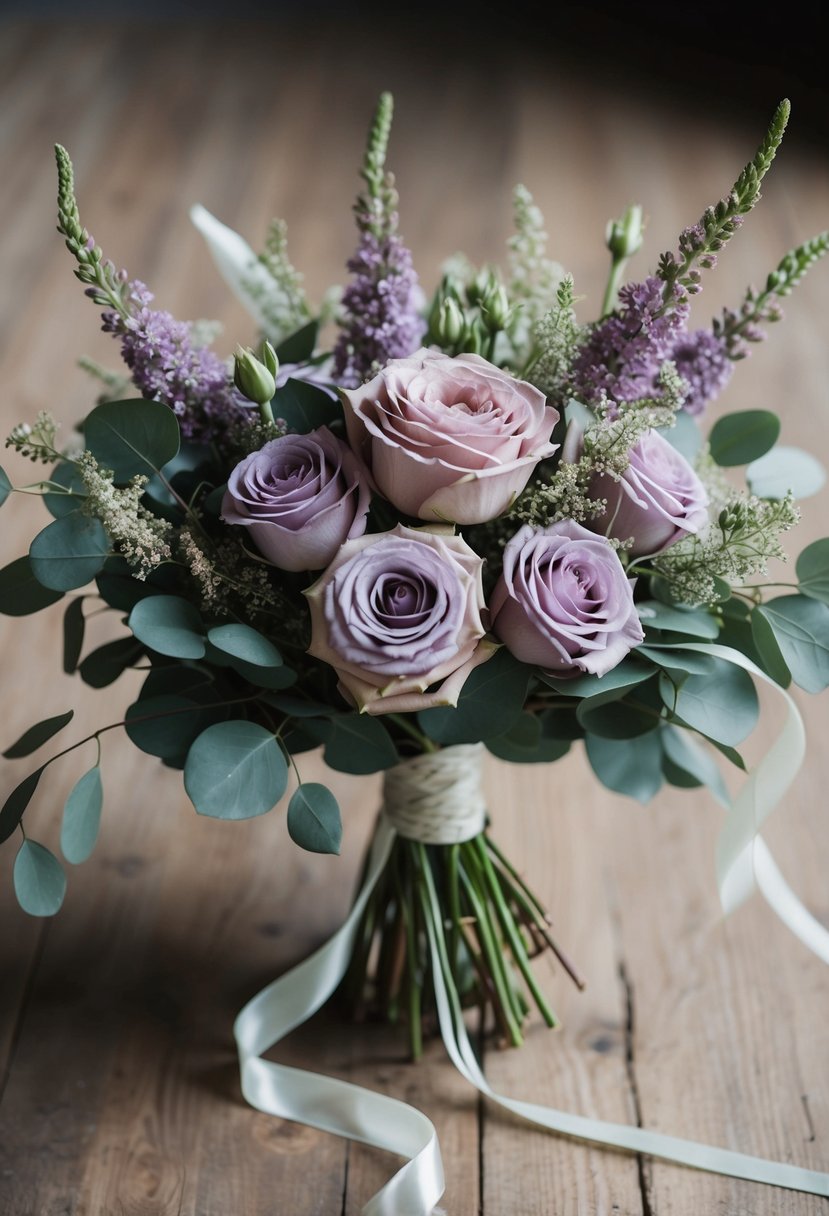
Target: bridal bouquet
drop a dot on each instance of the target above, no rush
(408, 528)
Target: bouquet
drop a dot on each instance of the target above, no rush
(408, 528)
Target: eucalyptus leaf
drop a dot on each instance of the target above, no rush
(16, 803)
(37, 735)
(299, 346)
(314, 821)
(169, 625)
(685, 436)
(21, 593)
(104, 665)
(612, 686)
(691, 757)
(695, 622)
(69, 552)
(82, 817)
(672, 659)
(6, 486)
(73, 631)
(119, 588)
(304, 407)
(813, 570)
(235, 770)
(616, 719)
(242, 642)
(130, 437)
(772, 661)
(743, 437)
(167, 725)
(39, 880)
(629, 766)
(721, 705)
(59, 503)
(526, 743)
(296, 707)
(489, 702)
(784, 469)
(354, 743)
(801, 631)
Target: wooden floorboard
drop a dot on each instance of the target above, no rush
(121, 1093)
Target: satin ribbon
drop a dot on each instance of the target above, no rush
(383, 1122)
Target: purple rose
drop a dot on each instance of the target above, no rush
(397, 613)
(564, 601)
(658, 500)
(449, 438)
(301, 496)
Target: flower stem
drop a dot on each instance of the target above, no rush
(424, 741)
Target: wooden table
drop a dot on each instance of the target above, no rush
(119, 1080)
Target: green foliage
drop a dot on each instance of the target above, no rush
(695, 622)
(170, 625)
(354, 743)
(39, 880)
(304, 407)
(800, 629)
(12, 810)
(242, 642)
(167, 724)
(58, 502)
(786, 471)
(686, 755)
(813, 570)
(82, 817)
(722, 704)
(530, 740)
(21, 593)
(5, 486)
(73, 631)
(69, 552)
(742, 437)
(235, 770)
(100, 276)
(629, 766)
(299, 346)
(766, 645)
(103, 666)
(131, 438)
(598, 689)
(489, 702)
(37, 735)
(685, 435)
(314, 821)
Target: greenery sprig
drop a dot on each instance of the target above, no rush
(106, 285)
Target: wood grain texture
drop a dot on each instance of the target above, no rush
(120, 1090)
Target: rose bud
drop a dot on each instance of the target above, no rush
(658, 500)
(301, 496)
(451, 439)
(564, 601)
(399, 613)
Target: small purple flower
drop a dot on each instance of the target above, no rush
(658, 500)
(301, 496)
(397, 613)
(564, 601)
(701, 358)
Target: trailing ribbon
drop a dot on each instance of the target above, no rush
(383, 1122)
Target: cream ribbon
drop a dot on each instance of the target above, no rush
(383, 1122)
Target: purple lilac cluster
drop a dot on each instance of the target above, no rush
(622, 356)
(381, 319)
(167, 365)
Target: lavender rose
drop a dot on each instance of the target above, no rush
(658, 500)
(397, 613)
(301, 496)
(449, 438)
(564, 601)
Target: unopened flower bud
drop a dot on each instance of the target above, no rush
(252, 378)
(495, 310)
(474, 338)
(624, 236)
(485, 282)
(268, 356)
(449, 325)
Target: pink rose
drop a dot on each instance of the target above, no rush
(658, 500)
(301, 496)
(399, 613)
(452, 439)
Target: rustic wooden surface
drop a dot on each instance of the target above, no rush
(120, 1095)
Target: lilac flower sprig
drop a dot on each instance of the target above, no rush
(106, 285)
(380, 318)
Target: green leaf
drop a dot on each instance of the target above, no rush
(169, 625)
(67, 475)
(762, 634)
(785, 469)
(354, 743)
(69, 552)
(243, 642)
(314, 821)
(685, 436)
(37, 735)
(304, 407)
(235, 770)
(6, 486)
(691, 757)
(526, 743)
(129, 437)
(722, 705)
(119, 588)
(695, 622)
(629, 766)
(489, 702)
(16, 803)
(82, 817)
(296, 707)
(801, 631)
(39, 880)
(168, 724)
(21, 593)
(689, 661)
(73, 631)
(616, 719)
(103, 666)
(612, 686)
(813, 570)
(298, 346)
(742, 437)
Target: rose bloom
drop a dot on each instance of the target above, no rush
(301, 496)
(397, 613)
(564, 601)
(449, 438)
(658, 500)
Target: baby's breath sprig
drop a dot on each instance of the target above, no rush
(36, 441)
(142, 538)
(106, 285)
(699, 244)
(557, 336)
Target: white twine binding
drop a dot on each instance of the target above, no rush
(436, 798)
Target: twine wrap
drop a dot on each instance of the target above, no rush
(436, 798)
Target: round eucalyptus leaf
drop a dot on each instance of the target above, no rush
(722, 704)
(354, 743)
(59, 503)
(129, 437)
(82, 817)
(627, 766)
(786, 469)
(21, 593)
(801, 631)
(742, 437)
(242, 642)
(39, 880)
(169, 625)
(314, 821)
(106, 663)
(813, 570)
(69, 552)
(235, 770)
